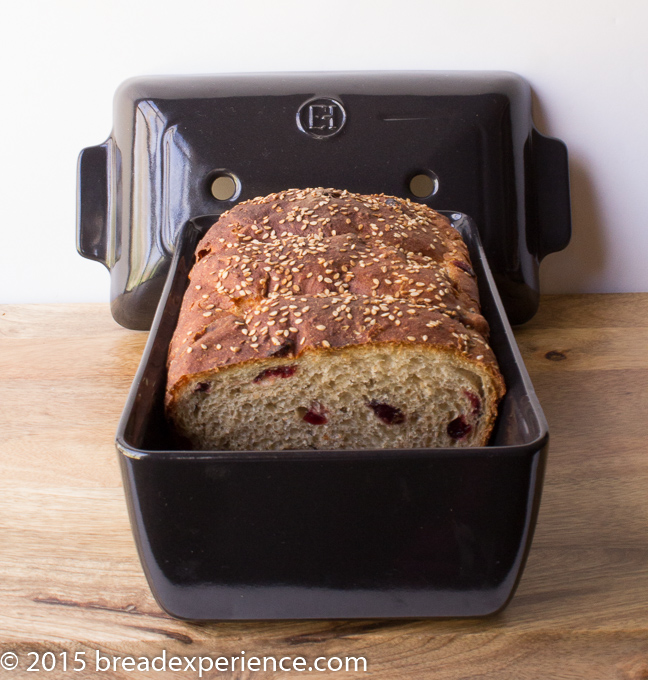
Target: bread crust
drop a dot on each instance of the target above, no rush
(322, 269)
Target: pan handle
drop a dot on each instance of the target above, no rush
(552, 204)
(93, 202)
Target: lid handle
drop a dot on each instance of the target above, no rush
(550, 174)
(93, 202)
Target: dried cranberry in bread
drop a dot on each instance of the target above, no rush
(323, 319)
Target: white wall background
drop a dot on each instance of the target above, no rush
(586, 60)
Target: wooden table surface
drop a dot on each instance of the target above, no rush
(70, 579)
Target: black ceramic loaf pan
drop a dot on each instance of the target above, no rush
(332, 534)
(470, 131)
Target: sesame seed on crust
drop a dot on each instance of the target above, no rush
(321, 259)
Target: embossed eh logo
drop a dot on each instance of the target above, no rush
(321, 118)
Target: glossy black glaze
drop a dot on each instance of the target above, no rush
(331, 534)
(472, 129)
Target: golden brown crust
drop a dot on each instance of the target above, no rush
(319, 269)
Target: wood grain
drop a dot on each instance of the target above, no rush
(71, 580)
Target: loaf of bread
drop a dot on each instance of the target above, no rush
(323, 319)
